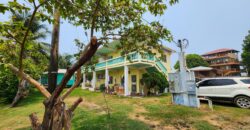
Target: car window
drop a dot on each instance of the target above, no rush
(222, 82)
(217, 82)
(245, 81)
(207, 83)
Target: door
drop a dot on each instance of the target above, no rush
(133, 83)
(225, 87)
(216, 87)
(206, 87)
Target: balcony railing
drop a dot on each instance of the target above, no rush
(132, 57)
(233, 56)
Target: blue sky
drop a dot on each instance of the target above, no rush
(207, 24)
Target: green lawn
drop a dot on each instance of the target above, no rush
(129, 114)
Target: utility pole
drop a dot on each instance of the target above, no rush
(182, 83)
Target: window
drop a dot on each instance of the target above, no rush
(110, 79)
(164, 58)
(100, 76)
(207, 83)
(217, 82)
(221, 82)
(245, 81)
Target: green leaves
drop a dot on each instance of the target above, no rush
(246, 52)
(3, 8)
(193, 60)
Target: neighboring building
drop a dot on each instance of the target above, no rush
(122, 75)
(60, 74)
(225, 61)
(203, 72)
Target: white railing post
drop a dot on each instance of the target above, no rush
(126, 91)
(93, 82)
(106, 77)
(84, 81)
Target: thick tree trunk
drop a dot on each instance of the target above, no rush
(21, 92)
(53, 66)
(60, 118)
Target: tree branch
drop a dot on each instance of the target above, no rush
(76, 103)
(78, 80)
(94, 19)
(40, 87)
(87, 54)
(35, 124)
(26, 34)
(13, 37)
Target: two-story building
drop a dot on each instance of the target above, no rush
(225, 61)
(124, 74)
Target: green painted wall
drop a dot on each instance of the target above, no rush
(44, 79)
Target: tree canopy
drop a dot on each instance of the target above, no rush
(103, 21)
(193, 60)
(246, 52)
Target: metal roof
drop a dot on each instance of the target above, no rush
(201, 68)
(220, 51)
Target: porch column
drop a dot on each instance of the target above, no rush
(126, 91)
(106, 77)
(84, 81)
(93, 81)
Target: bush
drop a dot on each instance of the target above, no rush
(155, 80)
(8, 85)
(102, 88)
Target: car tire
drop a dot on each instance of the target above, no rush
(242, 101)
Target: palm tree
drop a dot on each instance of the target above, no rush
(65, 60)
(39, 31)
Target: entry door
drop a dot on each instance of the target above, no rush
(133, 83)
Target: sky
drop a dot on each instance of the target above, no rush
(207, 24)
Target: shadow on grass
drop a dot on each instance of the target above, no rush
(34, 97)
(85, 120)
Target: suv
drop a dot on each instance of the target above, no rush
(235, 90)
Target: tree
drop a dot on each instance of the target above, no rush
(154, 80)
(112, 20)
(32, 59)
(192, 60)
(246, 53)
(8, 85)
(65, 61)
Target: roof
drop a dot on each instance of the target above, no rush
(60, 71)
(112, 47)
(220, 51)
(201, 68)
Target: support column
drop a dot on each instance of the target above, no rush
(93, 81)
(126, 91)
(84, 81)
(106, 78)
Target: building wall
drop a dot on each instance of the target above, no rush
(117, 75)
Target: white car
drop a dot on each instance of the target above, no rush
(232, 89)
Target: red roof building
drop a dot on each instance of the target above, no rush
(224, 60)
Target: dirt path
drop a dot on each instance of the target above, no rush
(138, 114)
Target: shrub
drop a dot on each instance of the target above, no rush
(8, 85)
(155, 80)
(102, 88)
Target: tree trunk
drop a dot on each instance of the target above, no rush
(60, 118)
(21, 92)
(53, 66)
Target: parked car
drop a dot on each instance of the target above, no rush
(230, 89)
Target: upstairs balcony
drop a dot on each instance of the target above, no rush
(221, 56)
(134, 58)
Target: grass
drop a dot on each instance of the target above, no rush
(128, 113)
